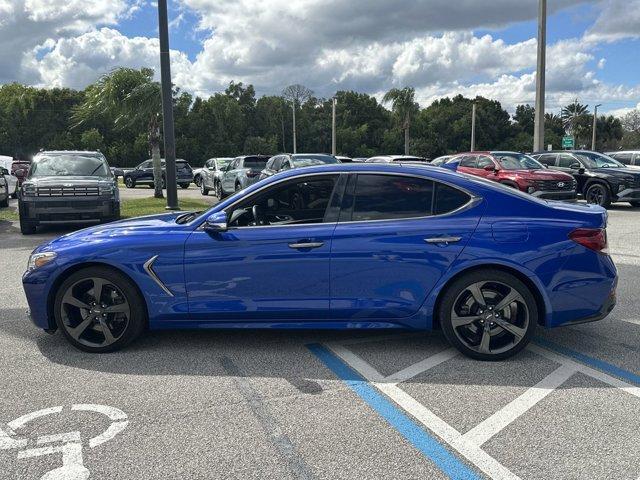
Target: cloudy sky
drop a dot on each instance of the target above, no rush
(440, 47)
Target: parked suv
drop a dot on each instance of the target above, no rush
(12, 182)
(68, 187)
(211, 174)
(626, 157)
(241, 172)
(601, 179)
(143, 174)
(287, 161)
(519, 171)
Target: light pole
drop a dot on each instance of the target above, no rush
(595, 122)
(167, 108)
(293, 105)
(333, 126)
(538, 134)
(473, 127)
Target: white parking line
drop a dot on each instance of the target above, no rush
(635, 321)
(469, 445)
(482, 432)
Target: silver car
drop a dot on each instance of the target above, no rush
(211, 174)
(241, 172)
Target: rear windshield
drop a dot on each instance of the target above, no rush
(409, 159)
(255, 162)
(311, 160)
(69, 165)
(517, 161)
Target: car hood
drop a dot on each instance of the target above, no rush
(542, 174)
(619, 172)
(149, 225)
(71, 180)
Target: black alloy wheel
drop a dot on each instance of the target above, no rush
(598, 194)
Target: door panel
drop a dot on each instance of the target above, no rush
(253, 274)
(386, 268)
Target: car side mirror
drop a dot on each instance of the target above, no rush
(4, 171)
(216, 222)
(490, 168)
(581, 170)
(575, 166)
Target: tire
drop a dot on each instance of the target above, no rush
(184, 185)
(129, 182)
(5, 203)
(217, 187)
(124, 326)
(635, 203)
(197, 180)
(598, 194)
(203, 189)
(521, 315)
(27, 227)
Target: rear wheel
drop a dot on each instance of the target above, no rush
(5, 202)
(129, 182)
(197, 180)
(598, 194)
(203, 188)
(218, 190)
(99, 310)
(488, 315)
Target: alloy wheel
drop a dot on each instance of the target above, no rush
(490, 317)
(95, 312)
(596, 195)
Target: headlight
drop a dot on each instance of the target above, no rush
(531, 189)
(106, 189)
(28, 190)
(38, 260)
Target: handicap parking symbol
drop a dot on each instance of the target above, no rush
(69, 444)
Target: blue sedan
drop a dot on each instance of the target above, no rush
(351, 246)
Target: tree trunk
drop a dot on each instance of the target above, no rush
(157, 170)
(406, 140)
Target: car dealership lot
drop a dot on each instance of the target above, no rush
(288, 404)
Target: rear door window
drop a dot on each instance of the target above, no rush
(548, 159)
(448, 199)
(483, 161)
(383, 197)
(623, 157)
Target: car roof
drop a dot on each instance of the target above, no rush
(70, 152)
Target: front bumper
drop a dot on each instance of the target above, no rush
(566, 195)
(52, 210)
(628, 195)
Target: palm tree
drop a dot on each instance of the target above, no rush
(571, 116)
(404, 106)
(132, 99)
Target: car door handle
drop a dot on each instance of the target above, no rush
(445, 240)
(306, 245)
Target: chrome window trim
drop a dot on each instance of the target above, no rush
(473, 199)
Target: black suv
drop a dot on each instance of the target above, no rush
(143, 174)
(601, 179)
(67, 187)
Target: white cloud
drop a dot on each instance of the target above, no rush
(618, 19)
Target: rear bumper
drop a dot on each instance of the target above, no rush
(48, 210)
(606, 309)
(570, 195)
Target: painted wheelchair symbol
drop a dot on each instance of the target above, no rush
(69, 444)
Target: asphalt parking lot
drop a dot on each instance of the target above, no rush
(310, 405)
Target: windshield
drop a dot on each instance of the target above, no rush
(69, 165)
(255, 163)
(598, 160)
(223, 162)
(311, 160)
(517, 161)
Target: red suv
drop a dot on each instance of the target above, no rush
(518, 171)
(20, 168)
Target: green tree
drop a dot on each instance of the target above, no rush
(92, 140)
(404, 106)
(575, 118)
(132, 99)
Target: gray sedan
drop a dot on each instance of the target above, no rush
(241, 172)
(211, 174)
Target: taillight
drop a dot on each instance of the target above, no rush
(592, 238)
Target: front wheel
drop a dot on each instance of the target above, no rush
(488, 315)
(197, 180)
(129, 182)
(218, 190)
(203, 188)
(598, 194)
(99, 310)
